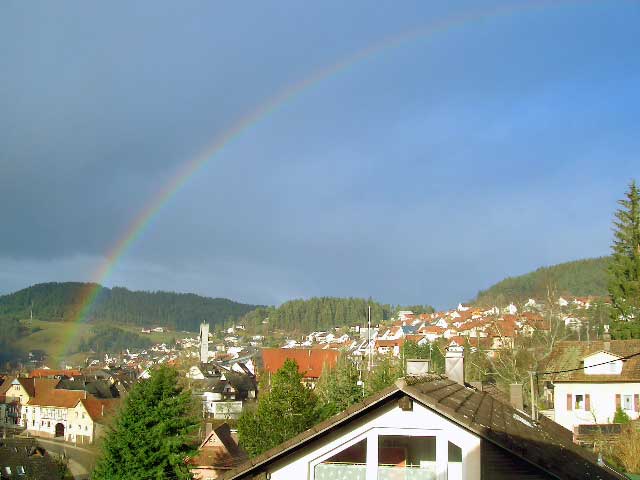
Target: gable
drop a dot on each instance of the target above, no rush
(603, 363)
(445, 412)
(374, 435)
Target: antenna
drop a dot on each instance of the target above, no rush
(369, 337)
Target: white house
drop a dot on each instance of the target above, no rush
(431, 428)
(600, 383)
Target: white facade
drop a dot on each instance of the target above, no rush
(204, 342)
(590, 403)
(73, 424)
(389, 422)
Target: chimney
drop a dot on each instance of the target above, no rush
(208, 427)
(606, 337)
(516, 397)
(454, 363)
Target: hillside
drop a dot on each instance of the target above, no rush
(577, 278)
(321, 313)
(178, 311)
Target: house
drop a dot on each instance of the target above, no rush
(390, 346)
(73, 415)
(310, 361)
(217, 454)
(223, 398)
(599, 380)
(429, 427)
(16, 392)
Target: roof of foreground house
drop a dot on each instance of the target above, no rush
(24, 452)
(569, 355)
(542, 443)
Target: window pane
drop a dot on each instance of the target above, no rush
(454, 465)
(406, 458)
(348, 463)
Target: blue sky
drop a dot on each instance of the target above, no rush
(473, 141)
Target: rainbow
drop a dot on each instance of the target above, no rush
(138, 225)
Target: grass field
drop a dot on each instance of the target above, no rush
(53, 337)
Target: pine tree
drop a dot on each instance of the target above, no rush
(150, 438)
(338, 387)
(288, 409)
(624, 270)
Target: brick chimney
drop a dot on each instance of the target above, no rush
(454, 363)
(606, 338)
(516, 396)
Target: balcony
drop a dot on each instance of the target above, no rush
(340, 471)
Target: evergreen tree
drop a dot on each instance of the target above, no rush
(624, 271)
(150, 438)
(288, 409)
(338, 387)
(385, 373)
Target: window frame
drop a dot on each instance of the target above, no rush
(443, 438)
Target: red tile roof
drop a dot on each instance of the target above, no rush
(48, 373)
(97, 408)
(310, 361)
(57, 398)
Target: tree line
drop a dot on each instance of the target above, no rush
(63, 302)
(577, 279)
(322, 313)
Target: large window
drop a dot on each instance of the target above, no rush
(393, 454)
(350, 463)
(406, 458)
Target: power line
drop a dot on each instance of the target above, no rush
(596, 365)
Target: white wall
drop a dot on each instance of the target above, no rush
(592, 364)
(602, 399)
(387, 420)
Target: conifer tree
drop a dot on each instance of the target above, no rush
(624, 270)
(338, 387)
(150, 437)
(288, 409)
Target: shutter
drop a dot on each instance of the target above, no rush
(569, 401)
(587, 402)
(618, 401)
(636, 402)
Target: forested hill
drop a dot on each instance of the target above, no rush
(578, 278)
(321, 313)
(179, 311)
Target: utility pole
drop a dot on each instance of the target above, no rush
(533, 397)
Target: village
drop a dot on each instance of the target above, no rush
(584, 386)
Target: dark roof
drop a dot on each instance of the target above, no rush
(542, 443)
(568, 355)
(219, 450)
(23, 452)
(97, 388)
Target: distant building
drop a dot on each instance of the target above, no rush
(599, 382)
(311, 362)
(204, 342)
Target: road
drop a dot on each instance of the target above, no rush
(81, 460)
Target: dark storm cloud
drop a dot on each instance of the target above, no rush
(421, 173)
